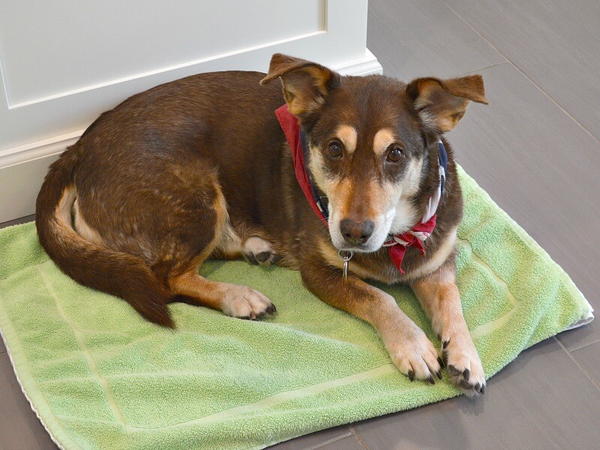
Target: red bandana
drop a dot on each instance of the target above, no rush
(396, 244)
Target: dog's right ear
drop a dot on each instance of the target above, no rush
(305, 83)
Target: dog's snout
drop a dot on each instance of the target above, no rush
(356, 233)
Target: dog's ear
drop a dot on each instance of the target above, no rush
(305, 84)
(442, 103)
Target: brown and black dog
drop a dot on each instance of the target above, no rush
(200, 168)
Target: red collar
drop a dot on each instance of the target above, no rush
(396, 244)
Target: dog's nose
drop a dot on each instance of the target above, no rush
(356, 233)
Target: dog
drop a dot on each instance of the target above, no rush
(343, 178)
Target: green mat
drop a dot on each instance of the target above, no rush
(98, 376)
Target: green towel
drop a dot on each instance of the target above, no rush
(99, 376)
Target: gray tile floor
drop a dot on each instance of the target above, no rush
(536, 150)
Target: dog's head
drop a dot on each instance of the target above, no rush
(371, 140)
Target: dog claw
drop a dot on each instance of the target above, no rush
(411, 375)
(430, 380)
(251, 259)
(453, 371)
(466, 374)
(263, 257)
(441, 362)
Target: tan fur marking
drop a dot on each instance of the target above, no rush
(330, 254)
(348, 136)
(194, 286)
(436, 260)
(82, 227)
(232, 299)
(366, 205)
(341, 197)
(62, 213)
(230, 245)
(382, 140)
(220, 208)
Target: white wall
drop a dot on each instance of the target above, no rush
(62, 62)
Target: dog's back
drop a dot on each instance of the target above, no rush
(160, 148)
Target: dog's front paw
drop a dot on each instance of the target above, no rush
(415, 356)
(246, 303)
(464, 366)
(259, 251)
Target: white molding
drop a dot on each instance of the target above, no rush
(160, 71)
(22, 168)
(40, 149)
(367, 65)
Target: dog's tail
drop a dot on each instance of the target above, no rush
(88, 263)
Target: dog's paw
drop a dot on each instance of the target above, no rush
(259, 251)
(415, 356)
(463, 363)
(246, 303)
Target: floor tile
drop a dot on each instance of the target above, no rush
(19, 426)
(422, 38)
(542, 169)
(589, 359)
(555, 42)
(540, 401)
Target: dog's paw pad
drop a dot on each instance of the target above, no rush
(246, 303)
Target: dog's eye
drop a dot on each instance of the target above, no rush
(335, 150)
(394, 153)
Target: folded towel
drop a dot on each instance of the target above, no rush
(99, 376)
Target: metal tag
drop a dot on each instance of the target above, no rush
(346, 257)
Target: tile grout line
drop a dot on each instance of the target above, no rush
(579, 366)
(596, 341)
(481, 69)
(522, 72)
(358, 438)
(332, 440)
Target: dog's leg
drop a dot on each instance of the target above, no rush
(409, 348)
(183, 279)
(234, 300)
(440, 298)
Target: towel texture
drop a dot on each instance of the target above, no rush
(99, 376)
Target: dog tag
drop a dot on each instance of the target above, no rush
(346, 257)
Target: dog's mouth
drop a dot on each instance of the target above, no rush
(355, 249)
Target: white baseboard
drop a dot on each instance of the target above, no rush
(23, 168)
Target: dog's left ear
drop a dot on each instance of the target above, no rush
(305, 83)
(442, 103)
